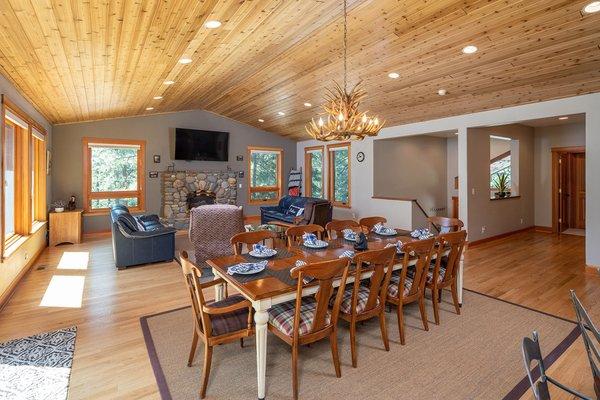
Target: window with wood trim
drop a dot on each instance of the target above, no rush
(314, 165)
(114, 174)
(339, 174)
(37, 154)
(265, 175)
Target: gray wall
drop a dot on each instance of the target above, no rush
(546, 138)
(154, 129)
(498, 216)
(452, 171)
(412, 167)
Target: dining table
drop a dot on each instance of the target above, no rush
(274, 284)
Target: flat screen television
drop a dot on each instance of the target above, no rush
(192, 144)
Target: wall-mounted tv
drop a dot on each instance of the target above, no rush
(192, 144)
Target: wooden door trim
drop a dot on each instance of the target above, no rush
(556, 152)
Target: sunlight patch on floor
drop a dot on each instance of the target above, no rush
(64, 291)
(74, 260)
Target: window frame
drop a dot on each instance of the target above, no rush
(88, 195)
(278, 188)
(331, 174)
(38, 166)
(309, 172)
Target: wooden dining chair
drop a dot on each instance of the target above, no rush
(365, 299)
(308, 319)
(294, 234)
(444, 273)
(405, 288)
(250, 238)
(338, 226)
(445, 224)
(368, 223)
(217, 322)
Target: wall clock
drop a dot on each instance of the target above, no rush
(360, 156)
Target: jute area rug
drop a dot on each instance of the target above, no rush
(475, 355)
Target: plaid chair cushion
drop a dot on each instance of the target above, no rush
(440, 277)
(361, 303)
(230, 322)
(281, 316)
(395, 282)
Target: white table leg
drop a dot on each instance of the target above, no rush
(261, 318)
(219, 289)
(460, 279)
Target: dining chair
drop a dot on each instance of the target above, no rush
(591, 340)
(294, 234)
(338, 226)
(308, 319)
(217, 322)
(445, 224)
(444, 273)
(365, 299)
(369, 222)
(250, 238)
(405, 288)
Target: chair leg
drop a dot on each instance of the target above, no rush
(440, 295)
(400, 323)
(206, 370)
(353, 342)
(455, 298)
(295, 370)
(384, 336)
(335, 353)
(242, 342)
(423, 312)
(193, 349)
(436, 306)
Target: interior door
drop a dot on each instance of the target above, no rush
(563, 192)
(578, 190)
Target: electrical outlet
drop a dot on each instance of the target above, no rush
(26, 256)
(521, 221)
(240, 185)
(473, 191)
(483, 229)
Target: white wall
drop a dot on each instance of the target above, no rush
(362, 173)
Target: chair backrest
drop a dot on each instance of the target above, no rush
(317, 212)
(338, 226)
(381, 262)
(294, 234)
(369, 222)
(323, 273)
(192, 275)
(531, 352)
(456, 242)
(591, 339)
(445, 224)
(211, 228)
(250, 238)
(422, 250)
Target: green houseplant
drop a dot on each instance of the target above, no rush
(500, 182)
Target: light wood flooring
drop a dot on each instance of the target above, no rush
(111, 362)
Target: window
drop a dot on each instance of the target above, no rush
(264, 167)
(37, 152)
(339, 174)
(504, 167)
(114, 174)
(10, 132)
(313, 162)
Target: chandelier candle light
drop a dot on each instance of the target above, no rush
(342, 119)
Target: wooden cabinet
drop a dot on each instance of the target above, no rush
(65, 227)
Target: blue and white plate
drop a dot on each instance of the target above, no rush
(318, 244)
(265, 253)
(386, 232)
(352, 237)
(247, 268)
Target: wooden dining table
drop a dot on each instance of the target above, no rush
(274, 285)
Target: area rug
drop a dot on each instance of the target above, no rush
(38, 366)
(475, 355)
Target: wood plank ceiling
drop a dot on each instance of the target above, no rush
(84, 60)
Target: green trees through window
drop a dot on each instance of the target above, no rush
(265, 174)
(339, 174)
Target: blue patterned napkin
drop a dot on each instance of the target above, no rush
(398, 246)
(310, 239)
(349, 234)
(348, 254)
(421, 234)
(305, 279)
(380, 229)
(242, 268)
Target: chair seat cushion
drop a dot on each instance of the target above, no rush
(281, 316)
(440, 276)
(395, 282)
(361, 301)
(230, 322)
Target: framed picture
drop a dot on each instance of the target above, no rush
(153, 174)
(48, 162)
(239, 158)
(157, 158)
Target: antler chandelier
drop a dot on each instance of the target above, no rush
(342, 119)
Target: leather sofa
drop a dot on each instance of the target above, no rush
(140, 240)
(316, 211)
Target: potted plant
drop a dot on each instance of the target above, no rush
(500, 182)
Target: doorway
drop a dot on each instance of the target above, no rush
(568, 190)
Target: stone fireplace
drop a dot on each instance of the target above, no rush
(183, 190)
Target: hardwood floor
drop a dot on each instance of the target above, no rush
(111, 362)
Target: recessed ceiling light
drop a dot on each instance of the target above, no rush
(470, 49)
(442, 92)
(281, 113)
(307, 105)
(185, 60)
(261, 120)
(149, 108)
(157, 97)
(394, 75)
(169, 82)
(593, 7)
(212, 24)
(563, 118)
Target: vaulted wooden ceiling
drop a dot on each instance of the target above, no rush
(83, 60)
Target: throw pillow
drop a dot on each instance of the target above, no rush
(295, 211)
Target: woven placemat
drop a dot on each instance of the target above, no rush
(281, 253)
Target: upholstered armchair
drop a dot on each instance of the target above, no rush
(211, 229)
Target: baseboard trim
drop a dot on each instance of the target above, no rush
(6, 296)
(500, 236)
(98, 234)
(592, 269)
(543, 229)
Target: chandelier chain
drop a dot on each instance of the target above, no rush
(345, 46)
